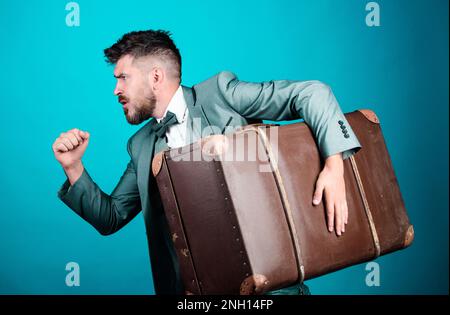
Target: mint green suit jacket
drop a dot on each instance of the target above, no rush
(222, 101)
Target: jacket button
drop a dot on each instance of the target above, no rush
(343, 127)
(340, 122)
(346, 135)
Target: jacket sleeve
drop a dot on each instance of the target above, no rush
(107, 213)
(312, 101)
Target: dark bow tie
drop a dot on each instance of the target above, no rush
(161, 127)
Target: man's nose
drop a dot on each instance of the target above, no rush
(117, 90)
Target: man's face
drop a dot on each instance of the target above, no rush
(134, 91)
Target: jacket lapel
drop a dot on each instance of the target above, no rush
(143, 170)
(195, 109)
(146, 155)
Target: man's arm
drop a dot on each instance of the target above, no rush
(107, 213)
(315, 103)
(287, 100)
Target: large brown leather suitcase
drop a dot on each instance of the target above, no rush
(243, 225)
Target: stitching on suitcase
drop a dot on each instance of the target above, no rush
(376, 240)
(182, 227)
(246, 267)
(286, 205)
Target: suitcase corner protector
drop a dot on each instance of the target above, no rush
(157, 163)
(370, 115)
(254, 284)
(409, 236)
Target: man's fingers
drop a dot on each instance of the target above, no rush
(72, 138)
(317, 197)
(66, 142)
(330, 216)
(84, 135)
(79, 134)
(76, 133)
(344, 214)
(338, 218)
(60, 147)
(345, 207)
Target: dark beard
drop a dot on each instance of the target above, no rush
(143, 112)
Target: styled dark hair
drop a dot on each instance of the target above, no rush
(146, 43)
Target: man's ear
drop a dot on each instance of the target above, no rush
(157, 77)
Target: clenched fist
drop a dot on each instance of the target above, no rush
(69, 148)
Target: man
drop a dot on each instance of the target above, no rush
(148, 72)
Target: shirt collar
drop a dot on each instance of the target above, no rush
(177, 105)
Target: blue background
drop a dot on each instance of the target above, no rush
(54, 78)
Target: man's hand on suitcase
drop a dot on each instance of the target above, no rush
(331, 186)
(69, 148)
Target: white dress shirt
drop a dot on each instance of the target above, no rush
(176, 135)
